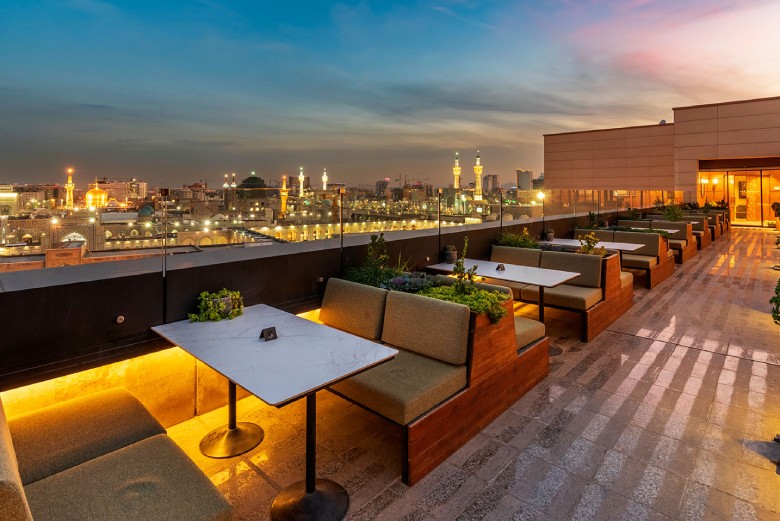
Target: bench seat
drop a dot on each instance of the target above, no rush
(150, 479)
(579, 298)
(404, 388)
(528, 331)
(640, 262)
(56, 438)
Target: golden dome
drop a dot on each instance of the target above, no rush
(96, 197)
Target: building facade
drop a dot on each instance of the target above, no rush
(718, 152)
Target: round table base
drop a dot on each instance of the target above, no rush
(329, 502)
(226, 443)
(555, 351)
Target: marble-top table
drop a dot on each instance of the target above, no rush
(542, 277)
(304, 358)
(575, 243)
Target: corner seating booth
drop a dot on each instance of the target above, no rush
(454, 373)
(100, 457)
(654, 257)
(681, 240)
(600, 294)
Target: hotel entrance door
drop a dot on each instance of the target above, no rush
(751, 194)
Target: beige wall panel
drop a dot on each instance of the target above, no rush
(667, 161)
(618, 162)
(748, 122)
(695, 127)
(618, 183)
(604, 144)
(749, 150)
(701, 152)
(686, 114)
(749, 136)
(638, 132)
(638, 183)
(637, 151)
(634, 142)
(610, 153)
(662, 130)
(768, 106)
(695, 140)
(632, 162)
(633, 171)
(567, 156)
(662, 141)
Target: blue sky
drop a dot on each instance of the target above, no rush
(174, 92)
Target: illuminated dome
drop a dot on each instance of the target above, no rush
(146, 211)
(96, 197)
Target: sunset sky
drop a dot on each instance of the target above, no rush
(174, 92)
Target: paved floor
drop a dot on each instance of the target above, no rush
(667, 415)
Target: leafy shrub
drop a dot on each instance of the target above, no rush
(376, 268)
(775, 301)
(662, 233)
(673, 213)
(409, 282)
(478, 300)
(216, 306)
(588, 245)
(517, 240)
(633, 214)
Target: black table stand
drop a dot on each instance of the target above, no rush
(312, 499)
(236, 438)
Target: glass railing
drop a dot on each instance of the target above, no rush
(268, 216)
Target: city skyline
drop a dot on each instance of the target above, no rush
(179, 92)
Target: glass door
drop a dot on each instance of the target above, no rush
(745, 198)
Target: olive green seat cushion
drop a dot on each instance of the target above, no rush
(354, 308)
(602, 235)
(565, 296)
(588, 266)
(677, 244)
(50, 440)
(404, 388)
(517, 256)
(626, 279)
(528, 331)
(152, 479)
(644, 262)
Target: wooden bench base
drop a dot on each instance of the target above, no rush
(660, 272)
(431, 439)
(684, 255)
(703, 240)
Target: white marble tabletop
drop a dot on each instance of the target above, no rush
(620, 246)
(305, 357)
(513, 273)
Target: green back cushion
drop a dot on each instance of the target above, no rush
(519, 256)
(427, 326)
(588, 266)
(354, 308)
(651, 242)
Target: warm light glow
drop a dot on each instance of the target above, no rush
(54, 220)
(540, 196)
(715, 181)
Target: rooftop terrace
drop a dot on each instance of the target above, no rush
(669, 413)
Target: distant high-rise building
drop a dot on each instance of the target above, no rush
(538, 183)
(382, 187)
(478, 179)
(456, 173)
(490, 183)
(524, 179)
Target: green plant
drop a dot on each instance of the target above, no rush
(633, 214)
(707, 207)
(588, 245)
(517, 240)
(376, 268)
(662, 233)
(465, 277)
(721, 204)
(673, 212)
(409, 282)
(216, 306)
(478, 300)
(776, 208)
(463, 291)
(775, 301)
(693, 205)
(593, 221)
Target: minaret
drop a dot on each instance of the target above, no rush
(301, 179)
(324, 179)
(283, 196)
(456, 173)
(69, 186)
(478, 175)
